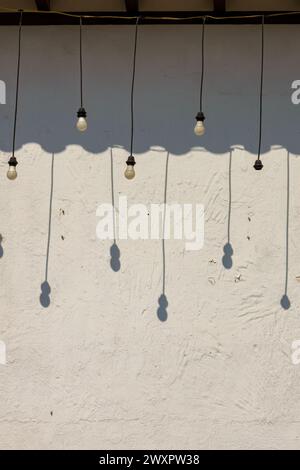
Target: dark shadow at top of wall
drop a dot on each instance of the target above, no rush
(167, 88)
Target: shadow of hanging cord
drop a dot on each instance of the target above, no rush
(285, 301)
(115, 253)
(228, 250)
(162, 313)
(45, 287)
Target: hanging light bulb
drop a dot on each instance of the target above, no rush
(258, 164)
(81, 114)
(12, 172)
(81, 123)
(199, 127)
(129, 172)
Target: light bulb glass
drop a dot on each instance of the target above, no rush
(199, 128)
(81, 124)
(129, 172)
(12, 173)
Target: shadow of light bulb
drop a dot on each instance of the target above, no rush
(45, 294)
(285, 302)
(162, 313)
(115, 254)
(1, 248)
(227, 258)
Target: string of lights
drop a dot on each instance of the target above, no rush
(81, 125)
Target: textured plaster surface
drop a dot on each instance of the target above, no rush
(97, 368)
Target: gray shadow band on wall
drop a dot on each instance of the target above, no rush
(228, 250)
(50, 88)
(162, 313)
(285, 301)
(115, 253)
(45, 286)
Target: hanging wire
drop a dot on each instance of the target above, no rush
(261, 86)
(167, 18)
(80, 60)
(132, 84)
(202, 63)
(287, 223)
(17, 84)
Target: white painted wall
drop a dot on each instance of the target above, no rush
(97, 368)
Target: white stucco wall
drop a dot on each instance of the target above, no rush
(97, 368)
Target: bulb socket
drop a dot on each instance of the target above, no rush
(130, 161)
(81, 113)
(258, 165)
(12, 161)
(200, 116)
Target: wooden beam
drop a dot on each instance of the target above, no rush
(219, 6)
(43, 5)
(132, 6)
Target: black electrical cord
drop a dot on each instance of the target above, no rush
(148, 17)
(80, 61)
(132, 85)
(199, 129)
(81, 113)
(202, 64)
(261, 85)
(17, 84)
(258, 163)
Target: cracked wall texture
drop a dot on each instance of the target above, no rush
(97, 368)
